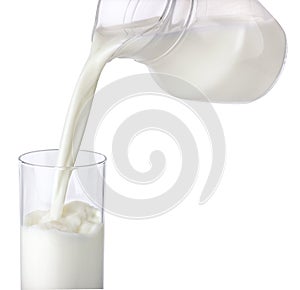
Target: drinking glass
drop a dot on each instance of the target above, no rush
(65, 253)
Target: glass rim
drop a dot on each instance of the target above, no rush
(33, 164)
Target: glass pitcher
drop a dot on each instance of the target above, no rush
(231, 50)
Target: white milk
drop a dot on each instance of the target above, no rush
(227, 60)
(104, 47)
(63, 254)
(63, 248)
(78, 114)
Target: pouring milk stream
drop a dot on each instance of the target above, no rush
(232, 51)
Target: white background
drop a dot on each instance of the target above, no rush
(245, 237)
